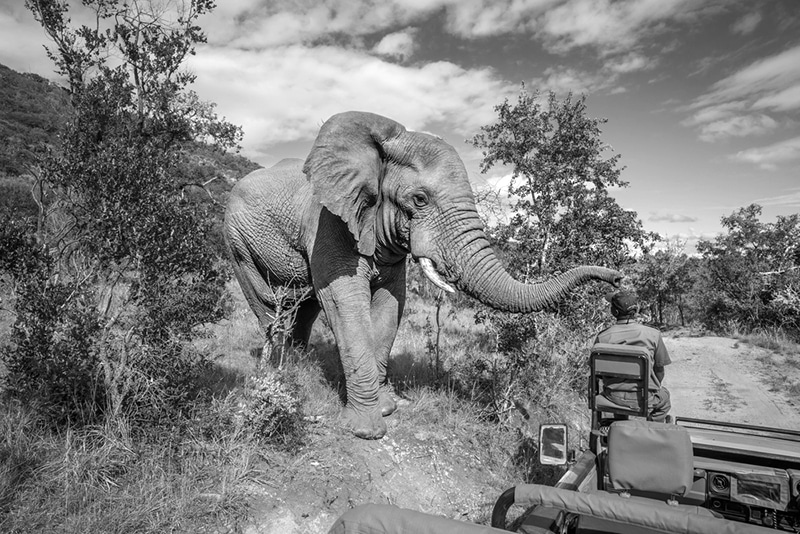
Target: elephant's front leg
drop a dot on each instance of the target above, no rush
(388, 300)
(346, 301)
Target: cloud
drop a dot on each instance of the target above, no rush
(630, 63)
(746, 24)
(671, 218)
(283, 94)
(755, 100)
(399, 45)
(737, 126)
(791, 199)
(22, 48)
(767, 84)
(562, 80)
(768, 157)
(715, 112)
(482, 18)
(253, 24)
(610, 26)
(782, 100)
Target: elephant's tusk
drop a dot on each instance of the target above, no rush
(433, 276)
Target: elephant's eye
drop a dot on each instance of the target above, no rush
(420, 200)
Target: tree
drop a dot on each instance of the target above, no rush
(559, 187)
(753, 271)
(121, 228)
(664, 278)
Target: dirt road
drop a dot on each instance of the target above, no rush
(726, 380)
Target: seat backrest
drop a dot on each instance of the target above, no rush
(622, 361)
(650, 457)
(615, 361)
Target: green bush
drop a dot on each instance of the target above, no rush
(271, 407)
(51, 355)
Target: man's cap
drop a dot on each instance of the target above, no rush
(623, 302)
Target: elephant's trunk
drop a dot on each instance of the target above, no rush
(476, 270)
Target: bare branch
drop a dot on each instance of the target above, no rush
(780, 271)
(201, 186)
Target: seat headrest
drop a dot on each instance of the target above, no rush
(648, 456)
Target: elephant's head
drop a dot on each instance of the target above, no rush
(403, 192)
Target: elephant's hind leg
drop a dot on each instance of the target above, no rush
(307, 313)
(257, 293)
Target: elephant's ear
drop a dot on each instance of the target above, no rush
(346, 166)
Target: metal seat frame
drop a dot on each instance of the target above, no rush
(629, 362)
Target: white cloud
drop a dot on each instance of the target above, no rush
(609, 26)
(770, 81)
(671, 218)
(481, 18)
(746, 24)
(284, 94)
(252, 24)
(754, 100)
(791, 199)
(783, 100)
(630, 63)
(22, 48)
(768, 157)
(715, 112)
(737, 126)
(398, 45)
(562, 80)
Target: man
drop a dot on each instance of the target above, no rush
(626, 331)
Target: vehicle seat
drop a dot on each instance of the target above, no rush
(654, 461)
(650, 457)
(629, 362)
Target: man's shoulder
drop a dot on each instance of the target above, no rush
(627, 331)
(655, 332)
(605, 332)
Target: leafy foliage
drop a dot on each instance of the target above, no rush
(119, 275)
(271, 407)
(752, 273)
(563, 213)
(665, 278)
(52, 353)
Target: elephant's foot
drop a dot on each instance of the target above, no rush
(386, 400)
(364, 423)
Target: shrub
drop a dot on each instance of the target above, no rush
(51, 355)
(271, 406)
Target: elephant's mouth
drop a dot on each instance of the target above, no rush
(430, 271)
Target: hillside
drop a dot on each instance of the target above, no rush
(32, 112)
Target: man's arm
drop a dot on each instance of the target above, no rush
(659, 372)
(660, 360)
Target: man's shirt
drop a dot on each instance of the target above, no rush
(629, 332)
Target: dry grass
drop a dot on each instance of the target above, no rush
(773, 339)
(445, 453)
(103, 479)
(783, 360)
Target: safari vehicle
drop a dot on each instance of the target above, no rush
(689, 476)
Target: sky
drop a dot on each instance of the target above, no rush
(702, 97)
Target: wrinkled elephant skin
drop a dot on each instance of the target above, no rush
(333, 233)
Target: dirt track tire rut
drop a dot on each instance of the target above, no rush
(726, 380)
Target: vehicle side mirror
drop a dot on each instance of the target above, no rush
(553, 444)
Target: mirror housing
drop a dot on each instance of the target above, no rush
(553, 444)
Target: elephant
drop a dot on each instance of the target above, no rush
(333, 233)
